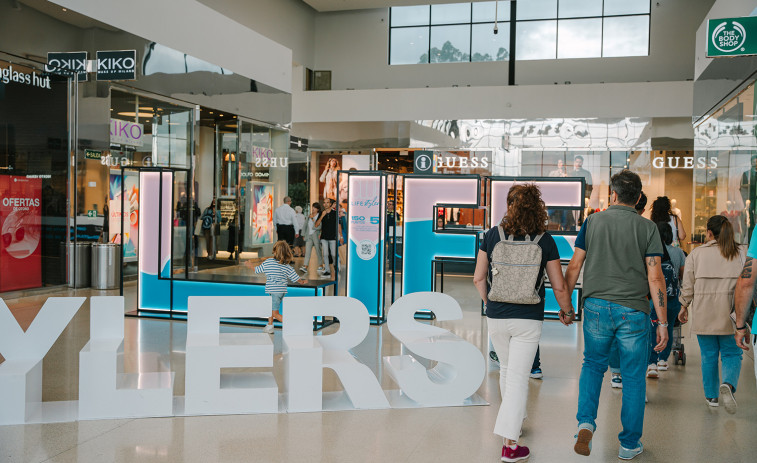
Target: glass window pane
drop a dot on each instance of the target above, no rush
(409, 45)
(536, 9)
(451, 13)
(484, 11)
(579, 38)
(626, 7)
(536, 40)
(626, 36)
(409, 15)
(490, 47)
(450, 44)
(579, 8)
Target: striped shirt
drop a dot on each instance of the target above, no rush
(276, 276)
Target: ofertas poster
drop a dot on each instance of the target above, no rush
(130, 189)
(261, 212)
(20, 231)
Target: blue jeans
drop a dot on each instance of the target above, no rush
(605, 322)
(674, 306)
(614, 358)
(730, 355)
(276, 299)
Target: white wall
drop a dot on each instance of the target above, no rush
(644, 99)
(195, 29)
(721, 9)
(354, 46)
(288, 22)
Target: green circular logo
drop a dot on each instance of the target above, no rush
(728, 38)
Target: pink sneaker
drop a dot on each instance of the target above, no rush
(517, 454)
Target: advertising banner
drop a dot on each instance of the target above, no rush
(20, 231)
(261, 211)
(126, 133)
(131, 219)
(731, 37)
(365, 241)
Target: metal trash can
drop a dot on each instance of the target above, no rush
(106, 268)
(78, 264)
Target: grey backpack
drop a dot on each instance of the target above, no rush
(514, 274)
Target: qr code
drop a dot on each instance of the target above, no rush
(366, 249)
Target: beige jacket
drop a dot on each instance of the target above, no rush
(707, 288)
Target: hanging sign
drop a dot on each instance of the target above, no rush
(68, 64)
(732, 37)
(116, 65)
(93, 154)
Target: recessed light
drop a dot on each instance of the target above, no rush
(65, 9)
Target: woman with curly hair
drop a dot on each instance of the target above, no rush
(662, 212)
(515, 327)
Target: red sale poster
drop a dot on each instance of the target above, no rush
(20, 231)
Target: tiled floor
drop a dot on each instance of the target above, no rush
(678, 424)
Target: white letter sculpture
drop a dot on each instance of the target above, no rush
(21, 373)
(460, 368)
(103, 391)
(208, 390)
(307, 355)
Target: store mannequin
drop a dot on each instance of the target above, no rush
(674, 208)
(601, 204)
(734, 217)
(747, 216)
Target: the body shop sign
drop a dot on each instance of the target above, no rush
(732, 37)
(126, 133)
(20, 232)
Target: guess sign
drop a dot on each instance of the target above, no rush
(125, 133)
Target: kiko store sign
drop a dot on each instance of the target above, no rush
(684, 162)
(108, 65)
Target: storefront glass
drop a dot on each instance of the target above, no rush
(34, 160)
(725, 176)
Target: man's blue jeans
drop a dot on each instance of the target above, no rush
(730, 355)
(603, 323)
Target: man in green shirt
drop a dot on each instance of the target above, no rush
(621, 253)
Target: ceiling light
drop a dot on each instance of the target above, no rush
(65, 9)
(133, 114)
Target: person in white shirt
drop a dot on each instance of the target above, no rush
(312, 235)
(284, 219)
(299, 241)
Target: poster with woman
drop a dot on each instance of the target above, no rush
(260, 199)
(331, 184)
(130, 190)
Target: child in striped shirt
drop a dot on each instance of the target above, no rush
(277, 275)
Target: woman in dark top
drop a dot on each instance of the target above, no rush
(515, 329)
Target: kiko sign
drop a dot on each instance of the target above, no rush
(212, 385)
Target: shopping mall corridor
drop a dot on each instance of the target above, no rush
(679, 426)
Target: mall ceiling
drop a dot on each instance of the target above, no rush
(342, 5)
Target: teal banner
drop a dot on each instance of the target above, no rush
(732, 37)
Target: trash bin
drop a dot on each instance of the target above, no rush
(78, 264)
(106, 268)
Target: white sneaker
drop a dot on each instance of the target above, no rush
(268, 329)
(616, 381)
(729, 401)
(662, 365)
(304, 268)
(652, 371)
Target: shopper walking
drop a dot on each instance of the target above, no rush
(277, 276)
(658, 361)
(328, 224)
(518, 251)
(662, 212)
(210, 217)
(299, 240)
(709, 281)
(284, 219)
(621, 254)
(311, 233)
(744, 301)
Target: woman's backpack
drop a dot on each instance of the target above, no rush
(515, 269)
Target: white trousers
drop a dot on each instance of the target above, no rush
(328, 246)
(515, 341)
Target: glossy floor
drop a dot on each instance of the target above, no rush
(679, 426)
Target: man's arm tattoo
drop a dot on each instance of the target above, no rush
(651, 262)
(747, 272)
(661, 298)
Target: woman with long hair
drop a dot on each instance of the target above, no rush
(662, 211)
(709, 279)
(329, 177)
(515, 321)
